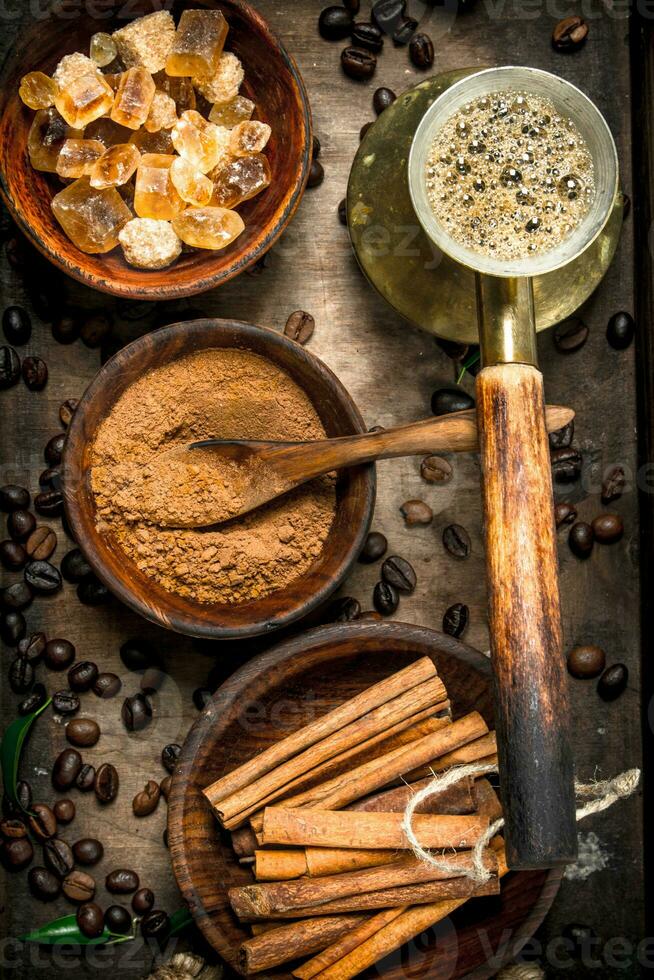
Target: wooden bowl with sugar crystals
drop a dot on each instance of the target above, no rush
(355, 487)
(272, 81)
(286, 688)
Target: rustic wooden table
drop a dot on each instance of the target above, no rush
(391, 371)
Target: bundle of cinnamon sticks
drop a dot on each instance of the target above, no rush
(319, 818)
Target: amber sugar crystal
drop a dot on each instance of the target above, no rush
(210, 227)
(47, 135)
(249, 138)
(84, 100)
(38, 91)
(204, 144)
(77, 157)
(230, 114)
(198, 43)
(91, 218)
(116, 166)
(108, 132)
(133, 98)
(156, 195)
(240, 179)
(180, 90)
(163, 113)
(191, 185)
(146, 41)
(225, 82)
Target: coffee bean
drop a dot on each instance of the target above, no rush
(74, 566)
(620, 330)
(105, 686)
(456, 541)
(316, 174)
(59, 654)
(106, 783)
(32, 647)
(83, 732)
(421, 51)
(24, 795)
(16, 325)
(315, 147)
(613, 682)
(342, 212)
(374, 548)
(13, 556)
(364, 129)
(17, 597)
(12, 628)
(300, 326)
(95, 329)
(21, 675)
(142, 901)
(165, 786)
(335, 23)
(66, 411)
(21, 524)
(92, 592)
(562, 438)
(137, 654)
(13, 497)
(169, 756)
(118, 920)
(42, 577)
(64, 811)
(42, 822)
(9, 368)
(446, 400)
(146, 802)
(382, 98)
(405, 32)
(65, 703)
(49, 503)
(385, 598)
(435, 469)
(65, 328)
(122, 881)
(368, 36)
(66, 769)
(455, 619)
(13, 829)
(581, 539)
(82, 676)
(344, 610)
(570, 335)
(17, 853)
(399, 573)
(58, 857)
(566, 465)
(570, 34)
(54, 449)
(34, 701)
(155, 925)
(41, 543)
(90, 920)
(43, 885)
(565, 514)
(35, 373)
(85, 781)
(79, 886)
(88, 851)
(388, 14)
(608, 528)
(586, 661)
(50, 478)
(358, 63)
(416, 512)
(352, 5)
(613, 484)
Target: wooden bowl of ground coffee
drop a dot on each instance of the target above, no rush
(192, 381)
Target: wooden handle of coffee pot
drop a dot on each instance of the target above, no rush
(531, 701)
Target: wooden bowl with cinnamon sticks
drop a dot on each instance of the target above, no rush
(286, 820)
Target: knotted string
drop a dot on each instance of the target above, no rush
(602, 794)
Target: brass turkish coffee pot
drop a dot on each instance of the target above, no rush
(470, 297)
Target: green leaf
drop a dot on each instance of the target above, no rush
(10, 750)
(179, 921)
(469, 362)
(65, 931)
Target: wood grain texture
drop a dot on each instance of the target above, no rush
(272, 80)
(533, 714)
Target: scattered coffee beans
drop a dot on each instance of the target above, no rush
(21, 524)
(13, 497)
(9, 368)
(32, 647)
(49, 503)
(146, 802)
(12, 829)
(59, 654)
(41, 543)
(88, 851)
(566, 465)
(92, 592)
(64, 811)
(17, 853)
(421, 51)
(136, 712)
(90, 920)
(608, 528)
(446, 400)
(58, 857)
(43, 885)
(21, 675)
(455, 619)
(581, 539)
(613, 682)
(382, 98)
(65, 703)
(42, 577)
(83, 732)
(367, 35)
(342, 212)
(165, 786)
(79, 886)
(137, 654)
(385, 598)
(12, 628)
(399, 573)
(34, 701)
(66, 768)
(562, 438)
(344, 610)
(570, 335)
(13, 556)
(106, 783)
(613, 484)
(374, 548)
(565, 514)
(118, 920)
(435, 469)
(456, 541)
(122, 881)
(74, 566)
(316, 174)
(85, 781)
(42, 822)
(143, 901)
(107, 685)
(82, 676)
(570, 34)
(17, 597)
(155, 925)
(620, 330)
(358, 63)
(16, 325)
(35, 373)
(300, 327)
(586, 661)
(335, 23)
(169, 756)
(416, 512)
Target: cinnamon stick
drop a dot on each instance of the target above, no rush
(487, 802)
(482, 750)
(274, 899)
(349, 829)
(355, 937)
(309, 735)
(289, 942)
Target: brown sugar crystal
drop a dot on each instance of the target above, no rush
(229, 394)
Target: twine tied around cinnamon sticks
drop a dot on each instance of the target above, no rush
(601, 795)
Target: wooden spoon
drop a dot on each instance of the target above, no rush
(266, 470)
